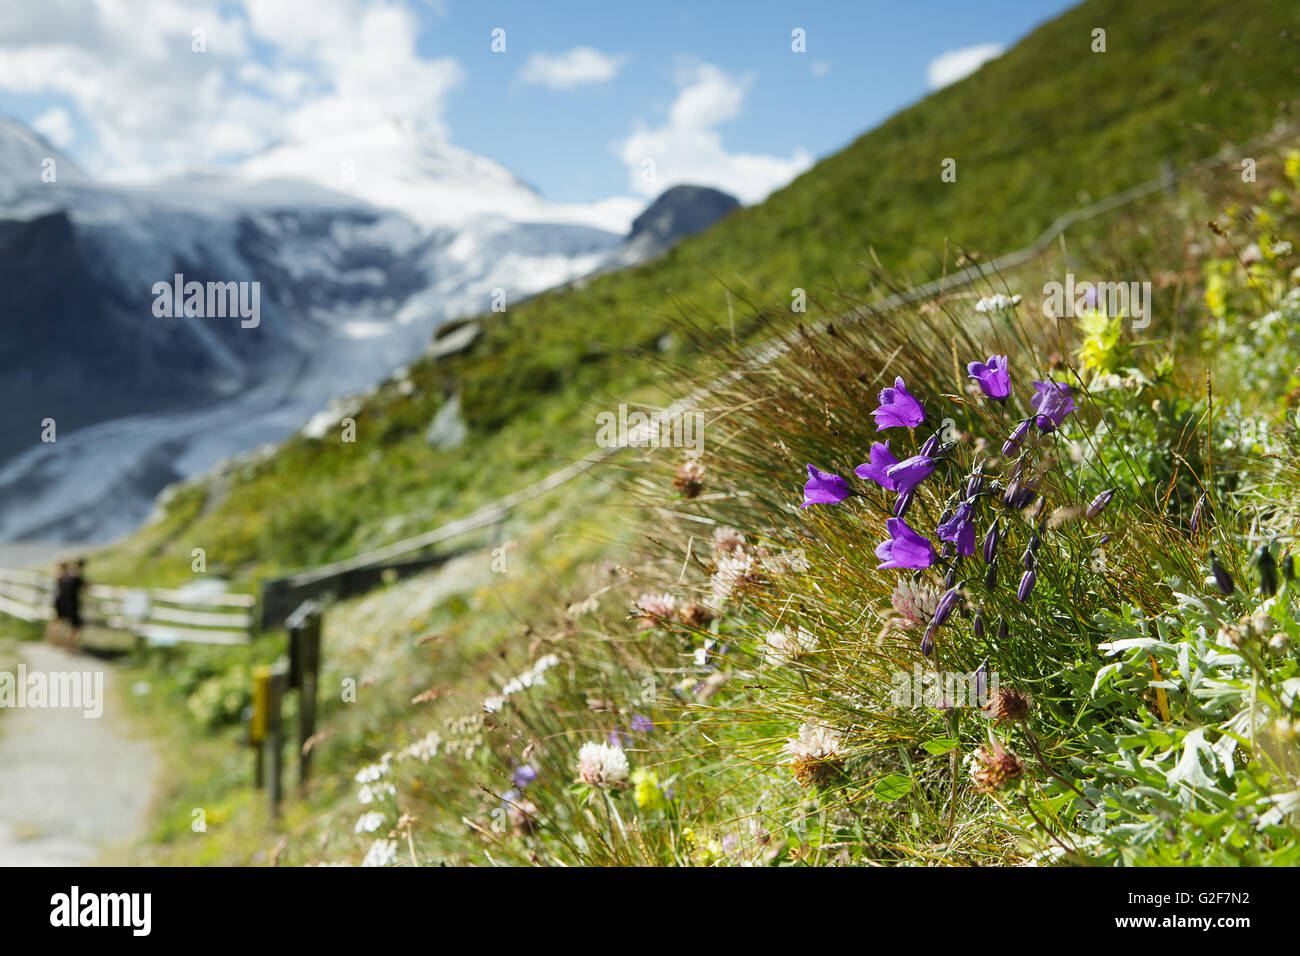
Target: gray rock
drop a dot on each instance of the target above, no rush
(448, 428)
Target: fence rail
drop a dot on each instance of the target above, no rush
(155, 615)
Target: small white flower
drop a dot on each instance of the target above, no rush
(815, 742)
(656, 607)
(602, 765)
(996, 303)
(425, 748)
(368, 822)
(727, 539)
(381, 853)
(370, 792)
(783, 646)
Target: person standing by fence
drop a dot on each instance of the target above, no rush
(65, 628)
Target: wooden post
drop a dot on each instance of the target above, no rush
(258, 720)
(304, 626)
(275, 731)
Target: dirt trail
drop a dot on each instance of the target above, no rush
(71, 786)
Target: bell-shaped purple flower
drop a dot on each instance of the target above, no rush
(991, 576)
(1098, 504)
(1012, 444)
(927, 641)
(943, 610)
(960, 529)
(824, 488)
(1052, 401)
(905, 548)
(878, 464)
(993, 376)
(902, 503)
(898, 408)
(906, 475)
(991, 543)
(1026, 585)
(931, 446)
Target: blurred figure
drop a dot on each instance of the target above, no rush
(55, 629)
(65, 629)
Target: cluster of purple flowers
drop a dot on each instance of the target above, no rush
(908, 549)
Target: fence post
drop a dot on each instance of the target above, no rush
(275, 729)
(304, 626)
(257, 722)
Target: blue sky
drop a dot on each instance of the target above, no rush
(583, 95)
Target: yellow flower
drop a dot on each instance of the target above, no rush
(648, 794)
(1216, 296)
(1100, 350)
(1293, 166)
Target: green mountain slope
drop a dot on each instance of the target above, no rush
(1048, 126)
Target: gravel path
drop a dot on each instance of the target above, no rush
(71, 786)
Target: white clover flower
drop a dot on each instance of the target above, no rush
(731, 571)
(727, 539)
(815, 742)
(784, 646)
(656, 607)
(915, 602)
(368, 822)
(602, 764)
(381, 853)
(996, 303)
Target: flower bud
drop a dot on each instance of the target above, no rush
(991, 543)
(943, 610)
(1003, 631)
(977, 626)
(1012, 443)
(1221, 576)
(1099, 504)
(1026, 585)
(1267, 568)
(991, 576)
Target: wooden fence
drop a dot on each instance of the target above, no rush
(154, 615)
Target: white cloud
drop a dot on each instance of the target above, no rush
(152, 104)
(689, 150)
(55, 124)
(954, 65)
(560, 71)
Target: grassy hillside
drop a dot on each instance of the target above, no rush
(1045, 127)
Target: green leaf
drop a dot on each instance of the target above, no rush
(892, 787)
(939, 746)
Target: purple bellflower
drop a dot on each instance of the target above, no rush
(992, 376)
(877, 466)
(898, 408)
(1052, 401)
(824, 488)
(905, 548)
(960, 529)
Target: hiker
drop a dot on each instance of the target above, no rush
(58, 624)
(66, 626)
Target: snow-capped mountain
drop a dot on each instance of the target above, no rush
(393, 165)
(353, 273)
